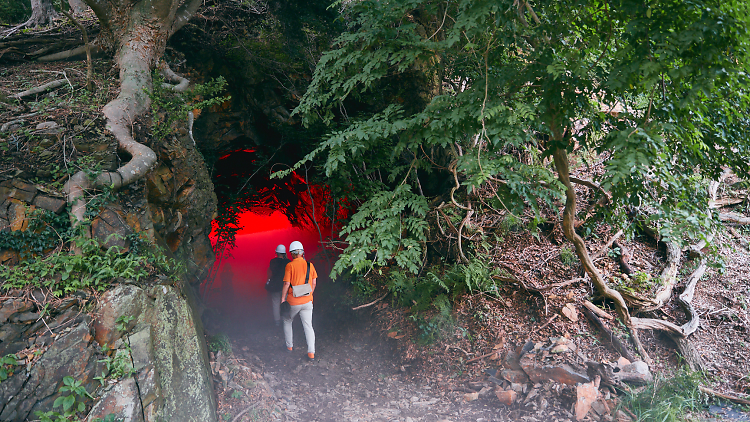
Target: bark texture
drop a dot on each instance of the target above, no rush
(568, 225)
(42, 13)
(77, 6)
(139, 31)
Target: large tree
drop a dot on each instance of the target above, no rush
(137, 31)
(659, 88)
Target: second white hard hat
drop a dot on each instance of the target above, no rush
(296, 246)
(280, 249)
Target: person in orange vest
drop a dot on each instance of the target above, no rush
(275, 283)
(300, 279)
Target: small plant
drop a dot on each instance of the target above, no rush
(169, 107)
(567, 256)
(362, 288)
(668, 399)
(641, 279)
(8, 364)
(236, 394)
(220, 342)
(117, 366)
(122, 322)
(434, 327)
(62, 273)
(71, 404)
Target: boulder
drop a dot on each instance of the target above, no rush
(122, 300)
(181, 359)
(586, 395)
(121, 400)
(540, 372)
(70, 355)
(636, 373)
(12, 306)
(515, 377)
(506, 397)
(111, 229)
(56, 205)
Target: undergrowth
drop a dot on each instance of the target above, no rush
(430, 297)
(674, 398)
(219, 342)
(46, 261)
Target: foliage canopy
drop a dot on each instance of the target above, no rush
(658, 88)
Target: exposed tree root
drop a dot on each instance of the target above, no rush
(87, 46)
(745, 244)
(135, 63)
(729, 397)
(668, 277)
(624, 258)
(734, 218)
(613, 340)
(680, 333)
(563, 172)
(606, 247)
(40, 89)
(182, 83)
(69, 54)
(42, 13)
(141, 34)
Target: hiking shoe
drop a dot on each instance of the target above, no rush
(311, 357)
(288, 349)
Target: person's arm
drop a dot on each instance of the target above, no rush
(312, 285)
(287, 282)
(284, 291)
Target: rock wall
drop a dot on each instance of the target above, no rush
(173, 206)
(172, 378)
(47, 352)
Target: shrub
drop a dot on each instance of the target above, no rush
(668, 399)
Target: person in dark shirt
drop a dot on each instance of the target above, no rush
(276, 281)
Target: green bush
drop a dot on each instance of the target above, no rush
(434, 327)
(420, 293)
(169, 107)
(668, 399)
(71, 404)
(14, 11)
(46, 231)
(567, 256)
(8, 364)
(94, 268)
(118, 366)
(219, 342)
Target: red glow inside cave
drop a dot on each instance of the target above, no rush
(254, 248)
(279, 211)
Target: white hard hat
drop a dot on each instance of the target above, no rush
(280, 249)
(296, 246)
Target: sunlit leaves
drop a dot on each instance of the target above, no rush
(390, 226)
(659, 89)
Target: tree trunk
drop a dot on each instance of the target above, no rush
(42, 13)
(77, 6)
(139, 31)
(568, 225)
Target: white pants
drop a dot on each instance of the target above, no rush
(275, 304)
(305, 312)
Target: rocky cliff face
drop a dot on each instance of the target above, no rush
(161, 340)
(163, 337)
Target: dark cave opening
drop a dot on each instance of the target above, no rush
(265, 212)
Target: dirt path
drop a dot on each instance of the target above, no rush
(355, 376)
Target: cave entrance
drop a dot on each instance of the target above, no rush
(264, 213)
